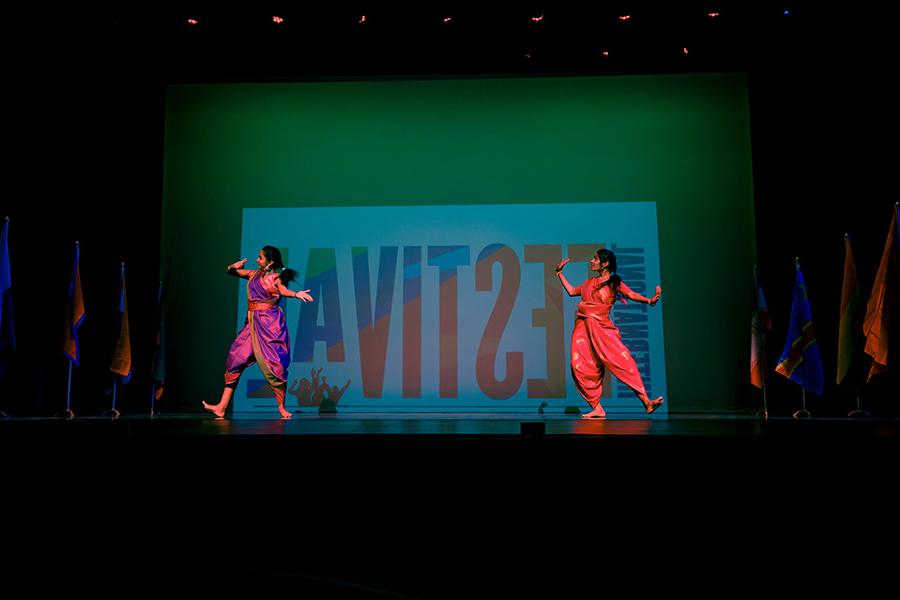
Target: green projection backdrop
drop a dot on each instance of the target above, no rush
(680, 141)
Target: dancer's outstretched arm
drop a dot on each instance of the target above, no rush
(570, 289)
(237, 269)
(302, 294)
(631, 294)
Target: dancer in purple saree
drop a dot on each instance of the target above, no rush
(264, 338)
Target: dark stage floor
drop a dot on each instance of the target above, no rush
(446, 506)
(473, 428)
(332, 443)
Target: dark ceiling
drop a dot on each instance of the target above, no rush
(309, 42)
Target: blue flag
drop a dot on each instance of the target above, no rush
(800, 360)
(7, 330)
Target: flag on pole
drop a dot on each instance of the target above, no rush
(159, 359)
(121, 361)
(800, 360)
(760, 323)
(850, 326)
(74, 312)
(877, 324)
(7, 328)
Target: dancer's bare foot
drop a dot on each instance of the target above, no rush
(597, 413)
(653, 405)
(285, 415)
(214, 409)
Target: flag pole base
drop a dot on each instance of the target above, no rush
(111, 413)
(802, 414)
(858, 412)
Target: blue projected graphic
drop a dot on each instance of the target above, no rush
(450, 308)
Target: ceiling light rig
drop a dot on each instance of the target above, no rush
(635, 31)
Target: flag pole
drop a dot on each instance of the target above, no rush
(765, 410)
(800, 361)
(762, 337)
(4, 414)
(845, 369)
(112, 412)
(75, 289)
(802, 412)
(69, 413)
(858, 411)
(153, 411)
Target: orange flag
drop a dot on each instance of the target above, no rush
(74, 312)
(851, 311)
(121, 361)
(877, 325)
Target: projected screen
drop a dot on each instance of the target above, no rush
(450, 307)
(426, 216)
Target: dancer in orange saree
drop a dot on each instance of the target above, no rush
(596, 342)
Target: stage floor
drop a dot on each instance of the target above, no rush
(462, 425)
(440, 506)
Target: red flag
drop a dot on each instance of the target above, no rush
(760, 323)
(159, 361)
(74, 312)
(877, 325)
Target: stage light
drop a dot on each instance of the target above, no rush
(684, 51)
(277, 20)
(362, 19)
(538, 19)
(193, 22)
(605, 54)
(624, 17)
(448, 19)
(712, 15)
